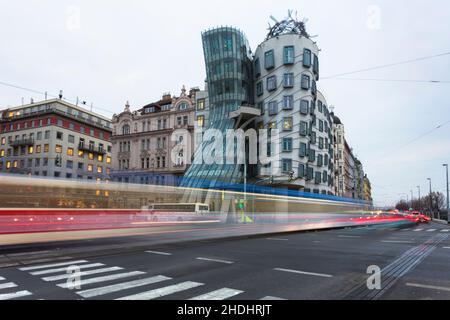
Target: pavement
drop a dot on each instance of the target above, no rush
(332, 264)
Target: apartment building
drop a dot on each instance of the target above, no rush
(55, 138)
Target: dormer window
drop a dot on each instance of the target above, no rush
(183, 106)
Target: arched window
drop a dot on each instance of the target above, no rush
(183, 106)
(126, 129)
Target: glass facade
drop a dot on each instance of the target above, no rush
(229, 78)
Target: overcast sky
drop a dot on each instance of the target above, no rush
(107, 52)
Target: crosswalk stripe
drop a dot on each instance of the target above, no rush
(18, 294)
(121, 286)
(220, 294)
(160, 253)
(1, 278)
(83, 273)
(445, 230)
(104, 278)
(271, 298)
(91, 265)
(152, 294)
(8, 285)
(431, 230)
(52, 265)
(418, 230)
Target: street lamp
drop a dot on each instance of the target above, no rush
(448, 211)
(431, 203)
(420, 207)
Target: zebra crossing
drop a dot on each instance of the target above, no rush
(426, 230)
(9, 290)
(100, 281)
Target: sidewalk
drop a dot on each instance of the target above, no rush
(440, 221)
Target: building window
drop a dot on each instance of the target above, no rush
(99, 169)
(37, 162)
(71, 138)
(288, 80)
(304, 106)
(288, 102)
(316, 66)
(306, 58)
(269, 60)
(91, 156)
(286, 165)
(2, 153)
(100, 158)
(259, 88)
(319, 160)
(303, 128)
(257, 68)
(313, 135)
(305, 82)
(70, 151)
(273, 108)
(320, 143)
(58, 148)
(90, 167)
(59, 135)
(3, 141)
(311, 155)
(200, 104)
(287, 144)
(288, 55)
(319, 106)
(200, 121)
(318, 177)
(39, 135)
(69, 164)
(271, 83)
(301, 170)
(8, 165)
(302, 151)
(261, 107)
(108, 159)
(30, 149)
(47, 134)
(80, 165)
(60, 123)
(126, 129)
(287, 124)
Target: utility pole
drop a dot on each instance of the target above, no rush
(448, 211)
(412, 198)
(431, 201)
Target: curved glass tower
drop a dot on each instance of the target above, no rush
(229, 78)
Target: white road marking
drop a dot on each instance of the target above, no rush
(345, 236)
(159, 252)
(445, 230)
(52, 265)
(104, 278)
(427, 286)
(215, 260)
(431, 230)
(161, 292)
(121, 286)
(415, 230)
(83, 273)
(1, 278)
(396, 241)
(220, 294)
(8, 285)
(26, 253)
(304, 272)
(271, 298)
(445, 247)
(18, 294)
(91, 265)
(277, 239)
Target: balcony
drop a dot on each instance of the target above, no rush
(22, 142)
(92, 149)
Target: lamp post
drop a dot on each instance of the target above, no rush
(420, 207)
(448, 211)
(431, 203)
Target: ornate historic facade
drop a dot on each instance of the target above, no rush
(152, 144)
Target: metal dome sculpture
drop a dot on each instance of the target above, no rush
(289, 25)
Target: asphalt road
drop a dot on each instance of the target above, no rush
(332, 264)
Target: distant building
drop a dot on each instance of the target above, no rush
(339, 157)
(367, 189)
(151, 145)
(55, 138)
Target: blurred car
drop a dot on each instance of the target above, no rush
(418, 217)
